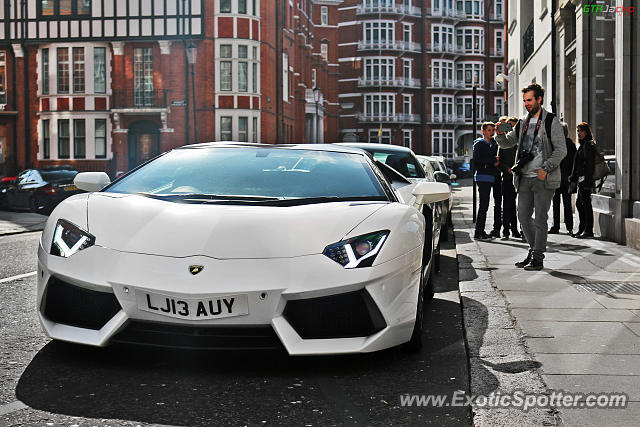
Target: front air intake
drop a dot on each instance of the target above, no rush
(77, 306)
(347, 315)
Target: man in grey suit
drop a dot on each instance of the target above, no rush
(540, 149)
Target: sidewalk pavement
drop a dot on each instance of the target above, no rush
(573, 326)
(20, 222)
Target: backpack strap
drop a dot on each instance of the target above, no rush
(548, 121)
(517, 129)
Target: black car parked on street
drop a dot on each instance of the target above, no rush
(40, 190)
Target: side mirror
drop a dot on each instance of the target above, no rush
(431, 192)
(442, 177)
(91, 181)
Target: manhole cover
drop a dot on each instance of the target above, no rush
(632, 288)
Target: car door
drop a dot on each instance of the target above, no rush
(15, 195)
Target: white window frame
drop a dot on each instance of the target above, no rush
(445, 106)
(467, 101)
(314, 78)
(407, 30)
(407, 100)
(376, 101)
(383, 27)
(477, 38)
(407, 64)
(324, 15)
(500, 14)
(445, 36)
(324, 51)
(285, 77)
(379, 68)
(89, 136)
(446, 73)
(499, 104)
(446, 143)
(385, 135)
(474, 67)
(498, 68)
(499, 48)
(407, 138)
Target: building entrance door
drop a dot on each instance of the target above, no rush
(143, 141)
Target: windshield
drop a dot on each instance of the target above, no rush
(58, 175)
(254, 173)
(404, 163)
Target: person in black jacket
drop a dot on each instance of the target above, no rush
(507, 158)
(582, 177)
(563, 192)
(485, 162)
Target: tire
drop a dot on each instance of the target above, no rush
(436, 259)
(37, 205)
(415, 343)
(444, 233)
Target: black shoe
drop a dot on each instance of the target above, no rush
(505, 236)
(524, 262)
(570, 232)
(495, 233)
(578, 234)
(535, 265)
(482, 236)
(586, 236)
(554, 230)
(516, 234)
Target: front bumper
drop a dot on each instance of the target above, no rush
(269, 285)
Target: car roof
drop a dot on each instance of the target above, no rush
(311, 147)
(390, 148)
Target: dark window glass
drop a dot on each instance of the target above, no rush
(63, 139)
(46, 140)
(99, 70)
(78, 70)
(242, 6)
(45, 71)
(225, 6)
(63, 70)
(79, 139)
(101, 138)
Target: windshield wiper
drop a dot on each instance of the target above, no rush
(206, 197)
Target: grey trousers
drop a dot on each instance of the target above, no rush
(533, 196)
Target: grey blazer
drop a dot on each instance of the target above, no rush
(552, 151)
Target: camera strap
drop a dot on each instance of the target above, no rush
(535, 131)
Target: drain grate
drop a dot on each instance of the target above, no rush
(632, 288)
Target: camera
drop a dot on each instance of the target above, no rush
(524, 157)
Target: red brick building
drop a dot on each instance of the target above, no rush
(108, 85)
(407, 69)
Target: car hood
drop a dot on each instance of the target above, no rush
(133, 223)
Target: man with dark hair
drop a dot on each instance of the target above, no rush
(485, 160)
(507, 157)
(541, 146)
(566, 167)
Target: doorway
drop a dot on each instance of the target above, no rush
(143, 142)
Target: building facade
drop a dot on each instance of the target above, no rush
(106, 86)
(586, 55)
(407, 70)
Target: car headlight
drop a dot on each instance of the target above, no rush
(69, 239)
(357, 251)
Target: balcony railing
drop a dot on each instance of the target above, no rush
(397, 9)
(496, 51)
(444, 48)
(445, 13)
(389, 45)
(453, 119)
(496, 16)
(138, 98)
(442, 83)
(388, 118)
(395, 82)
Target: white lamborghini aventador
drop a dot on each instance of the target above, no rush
(320, 249)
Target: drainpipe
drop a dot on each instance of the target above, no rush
(554, 97)
(27, 121)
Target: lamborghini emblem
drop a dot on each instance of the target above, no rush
(195, 269)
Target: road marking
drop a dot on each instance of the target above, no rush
(12, 407)
(19, 276)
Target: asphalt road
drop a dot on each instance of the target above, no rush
(65, 384)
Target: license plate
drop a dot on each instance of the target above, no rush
(70, 188)
(216, 307)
